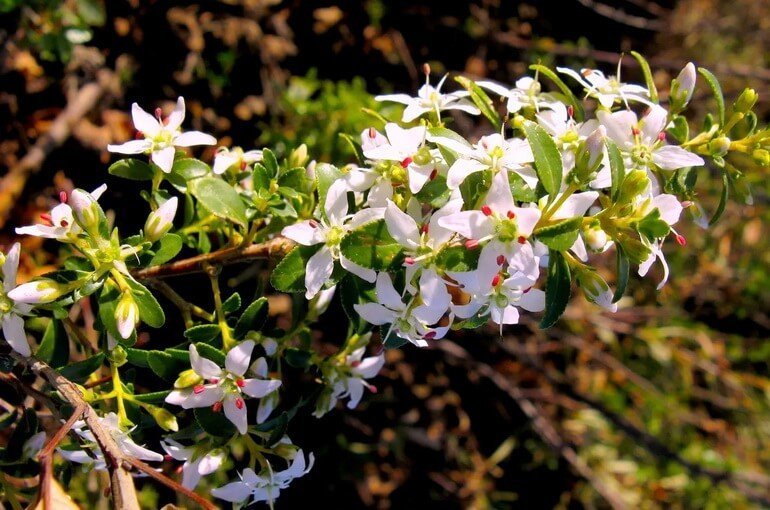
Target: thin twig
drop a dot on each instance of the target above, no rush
(141, 466)
(46, 456)
(275, 248)
(622, 17)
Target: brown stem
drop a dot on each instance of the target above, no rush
(46, 456)
(138, 464)
(275, 248)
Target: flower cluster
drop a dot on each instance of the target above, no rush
(429, 231)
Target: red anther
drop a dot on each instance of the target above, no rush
(239, 403)
(635, 131)
(240, 383)
(214, 380)
(158, 112)
(486, 210)
(522, 239)
(496, 280)
(355, 364)
(64, 223)
(179, 469)
(687, 204)
(526, 290)
(471, 244)
(167, 458)
(313, 223)
(511, 215)
(217, 407)
(433, 174)
(500, 260)
(680, 240)
(430, 335)
(661, 136)
(372, 133)
(243, 165)
(63, 197)
(46, 219)
(372, 388)
(571, 111)
(426, 69)
(199, 389)
(424, 228)
(586, 72)
(139, 135)
(409, 261)
(406, 162)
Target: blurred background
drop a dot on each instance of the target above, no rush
(665, 404)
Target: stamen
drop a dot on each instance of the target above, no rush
(63, 197)
(522, 239)
(496, 280)
(372, 133)
(680, 240)
(511, 215)
(199, 389)
(139, 135)
(355, 364)
(243, 165)
(486, 210)
(586, 73)
(471, 244)
(47, 219)
(687, 203)
(526, 290)
(313, 223)
(661, 136)
(213, 380)
(426, 69)
(430, 335)
(424, 228)
(433, 174)
(500, 260)
(372, 388)
(571, 111)
(217, 407)
(635, 131)
(240, 383)
(239, 403)
(409, 261)
(158, 112)
(406, 162)
(64, 223)
(167, 457)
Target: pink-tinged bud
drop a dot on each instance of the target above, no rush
(161, 220)
(661, 136)
(471, 244)
(63, 197)
(683, 86)
(409, 261)
(313, 223)
(199, 389)
(511, 215)
(87, 212)
(406, 162)
(571, 111)
(500, 260)
(37, 292)
(216, 407)
(240, 383)
(239, 403)
(486, 210)
(522, 239)
(126, 315)
(496, 280)
(680, 240)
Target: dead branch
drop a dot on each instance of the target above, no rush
(622, 17)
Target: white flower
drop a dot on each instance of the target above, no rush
(492, 152)
(670, 210)
(405, 147)
(412, 322)
(350, 380)
(431, 99)
(11, 310)
(161, 137)
(329, 232)
(161, 220)
(60, 222)
(607, 90)
(33, 445)
(642, 141)
(498, 291)
(196, 463)
(265, 486)
(225, 159)
(110, 423)
(525, 94)
(683, 86)
(36, 292)
(126, 314)
(225, 387)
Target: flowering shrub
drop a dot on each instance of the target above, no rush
(427, 233)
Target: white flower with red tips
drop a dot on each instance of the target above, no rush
(60, 223)
(349, 380)
(406, 148)
(526, 93)
(431, 100)
(161, 136)
(235, 157)
(608, 89)
(224, 389)
(197, 463)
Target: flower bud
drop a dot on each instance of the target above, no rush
(161, 220)
(87, 211)
(37, 292)
(682, 87)
(596, 238)
(633, 185)
(719, 146)
(746, 101)
(187, 379)
(298, 156)
(126, 315)
(761, 157)
(423, 156)
(33, 445)
(596, 289)
(595, 146)
(163, 418)
(118, 356)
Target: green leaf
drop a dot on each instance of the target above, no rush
(203, 332)
(716, 90)
(298, 358)
(281, 424)
(722, 199)
(212, 353)
(557, 290)
(577, 105)
(232, 304)
(130, 168)
(270, 163)
(357, 150)
(165, 365)
(108, 301)
(481, 100)
(624, 270)
(220, 198)
(325, 176)
(354, 291)
(190, 168)
(652, 226)
(156, 397)
(435, 192)
(617, 168)
(253, 318)
(138, 357)
(79, 372)
(166, 248)
(560, 236)
(547, 157)
(372, 246)
(447, 138)
(54, 349)
(149, 309)
(475, 187)
(289, 274)
(458, 258)
(645, 66)
(213, 423)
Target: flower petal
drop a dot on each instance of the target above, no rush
(461, 169)
(401, 226)
(13, 331)
(236, 414)
(193, 138)
(204, 367)
(10, 267)
(375, 313)
(319, 269)
(164, 158)
(131, 147)
(672, 157)
(258, 388)
(176, 117)
(238, 358)
(144, 122)
(386, 292)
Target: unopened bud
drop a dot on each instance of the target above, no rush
(298, 156)
(37, 292)
(682, 87)
(87, 211)
(163, 418)
(187, 379)
(423, 156)
(634, 183)
(719, 146)
(761, 157)
(161, 220)
(126, 315)
(746, 101)
(596, 239)
(426, 69)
